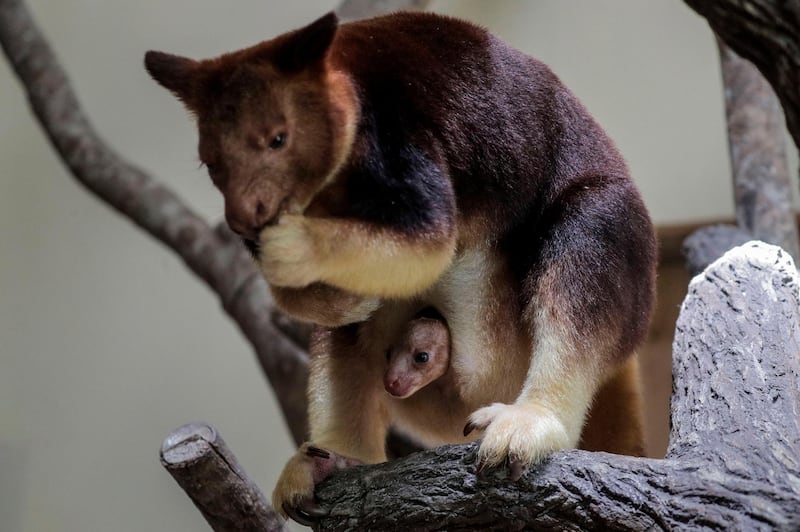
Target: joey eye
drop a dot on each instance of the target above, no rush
(278, 141)
(388, 354)
(421, 357)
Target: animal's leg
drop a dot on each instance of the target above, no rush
(347, 417)
(589, 286)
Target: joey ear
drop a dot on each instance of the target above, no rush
(173, 72)
(307, 46)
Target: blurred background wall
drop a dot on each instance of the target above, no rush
(107, 342)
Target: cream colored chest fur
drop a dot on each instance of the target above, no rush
(488, 361)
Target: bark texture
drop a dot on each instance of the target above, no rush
(734, 457)
(766, 32)
(707, 244)
(762, 193)
(198, 459)
(761, 186)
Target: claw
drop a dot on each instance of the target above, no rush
(314, 511)
(308, 515)
(468, 428)
(317, 452)
(516, 468)
(297, 515)
(480, 466)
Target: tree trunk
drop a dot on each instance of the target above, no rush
(761, 184)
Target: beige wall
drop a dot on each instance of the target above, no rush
(107, 343)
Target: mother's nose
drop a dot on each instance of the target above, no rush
(246, 215)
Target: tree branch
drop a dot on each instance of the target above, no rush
(766, 32)
(709, 243)
(763, 195)
(200, 461)
(734, 452)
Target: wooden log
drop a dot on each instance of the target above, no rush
(200, 461)
(734, 457)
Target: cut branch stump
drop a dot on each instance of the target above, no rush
(201, 463)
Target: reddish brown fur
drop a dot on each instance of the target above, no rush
(428, 163)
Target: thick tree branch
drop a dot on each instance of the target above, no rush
(734, 455)
(767, 32)
(762, 190)
(220, 261)
(762, 193)
(707, 244)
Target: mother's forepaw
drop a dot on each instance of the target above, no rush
(518, 434)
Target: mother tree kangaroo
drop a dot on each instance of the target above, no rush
(414, 160)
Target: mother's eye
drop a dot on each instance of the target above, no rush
(421, 357)
(278, 141)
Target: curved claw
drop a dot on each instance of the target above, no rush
(468, 428)
(317, 452)
(516, 468)
(308, 515)
(296, 515)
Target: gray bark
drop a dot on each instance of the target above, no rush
(762, 193)
(707, 244)
(198, 459)
(761, 185)
(734, 457)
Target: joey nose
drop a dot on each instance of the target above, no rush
(246, 217)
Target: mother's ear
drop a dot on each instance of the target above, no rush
(175, 73)
(307, 46)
